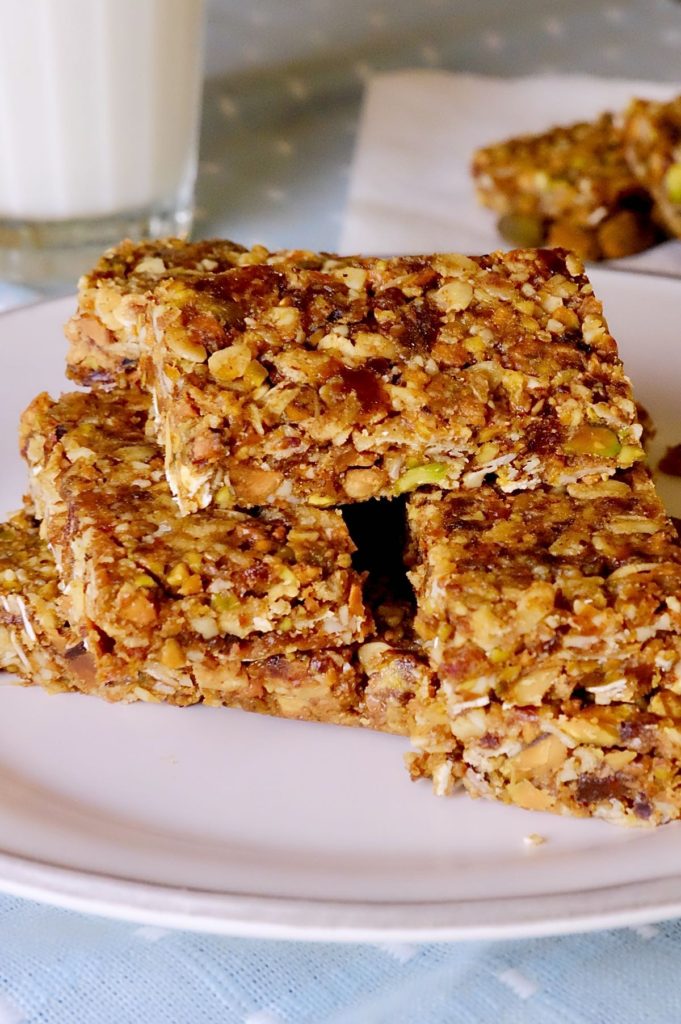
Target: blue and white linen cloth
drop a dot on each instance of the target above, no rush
(58, 967)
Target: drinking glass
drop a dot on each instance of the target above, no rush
(99, 123)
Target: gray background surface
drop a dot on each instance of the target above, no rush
(285, 80)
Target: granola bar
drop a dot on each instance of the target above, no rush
(535, 596)
(33, 632)
(621, 762)
(106, 333)
(553, 624)
(39, 646)
(373, 377)
(37, 643)
(148, 588)
(570, 186)
(652, 144)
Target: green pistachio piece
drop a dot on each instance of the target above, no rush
(630, 454)
(594, 440)
(224, 602)
(418, 476)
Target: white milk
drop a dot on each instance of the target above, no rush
(99, 105)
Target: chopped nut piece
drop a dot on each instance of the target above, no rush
(534, 839)
(228, 364)
(172, 655)
(361, 484)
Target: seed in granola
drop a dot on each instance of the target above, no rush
(193, 560)
(138, 609)
(455, 295)
(224, 496)
(178, 574)
(255, 375)
(205, 626)
(255, 485)
(184, 347)
(629, 454)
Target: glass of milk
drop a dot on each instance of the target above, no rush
(99, 123)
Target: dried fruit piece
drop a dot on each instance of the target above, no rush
(624, 233)
(578, 238)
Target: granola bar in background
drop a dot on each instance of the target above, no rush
(652, 143)
(570, 186)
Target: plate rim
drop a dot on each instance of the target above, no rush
(238, 915)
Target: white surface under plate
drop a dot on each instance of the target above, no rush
(223, 821)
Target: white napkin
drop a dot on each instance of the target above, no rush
(411, 189)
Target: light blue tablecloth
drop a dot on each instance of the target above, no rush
(280, 115)
(62, 968)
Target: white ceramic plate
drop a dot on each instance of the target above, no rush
(222, 821)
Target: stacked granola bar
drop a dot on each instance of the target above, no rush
(604, 189)
(402, 493)
(553, 621)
